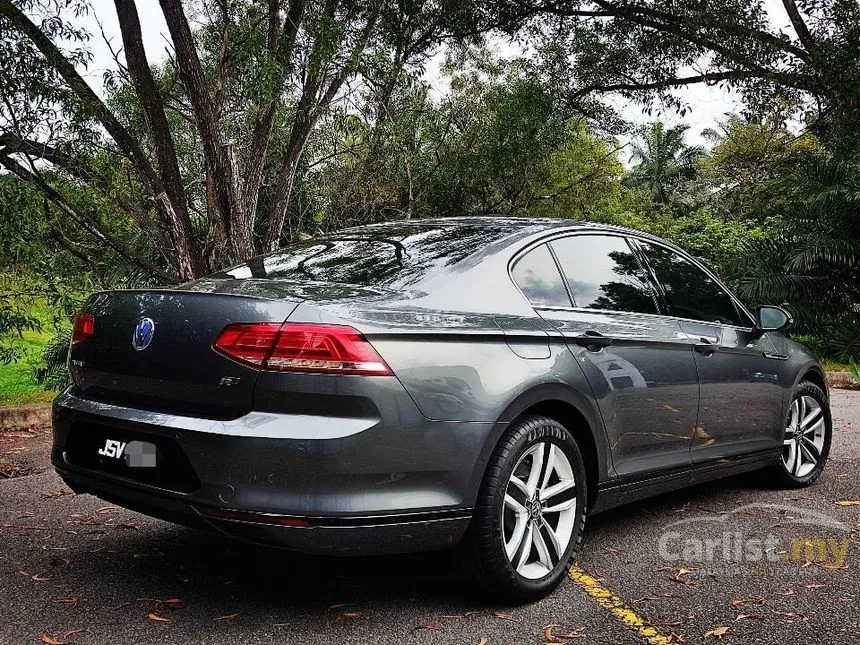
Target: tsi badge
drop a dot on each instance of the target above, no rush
(143, 333)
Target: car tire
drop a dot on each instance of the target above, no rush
(806, 437)
(515, 534)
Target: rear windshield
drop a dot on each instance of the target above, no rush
(375, 256)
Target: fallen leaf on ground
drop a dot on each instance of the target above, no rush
(737, 602)
(69, 601)
(791, 614)
(55, 494)
(228, 617)
(159, 619)
(347, 615)
(50, 640)
(787, 592)
(173, 603)
(548, 633)
(62, 640)
(484, 640)
(746, 616)
(338, 605)
(716, 632)
(504, 616)
(576, 633)
(428, 627)
(848, 502)
(679, 576)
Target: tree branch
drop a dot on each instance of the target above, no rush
(799, 25)
(281, 49)
(708, 78)
(77, 167)
(306, 116)
(84, 220)
(67, 72)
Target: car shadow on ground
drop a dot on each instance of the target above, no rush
(175, 559)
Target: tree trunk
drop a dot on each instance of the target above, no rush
(173, 199)
(225, 175)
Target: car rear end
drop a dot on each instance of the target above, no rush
(251, 405)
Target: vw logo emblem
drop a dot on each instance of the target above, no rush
(143, 333)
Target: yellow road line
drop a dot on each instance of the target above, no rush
(615, 606)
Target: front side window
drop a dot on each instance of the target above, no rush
(537, 276)
(690, 292)
(603, 273)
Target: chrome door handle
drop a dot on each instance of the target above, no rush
(705, 346)
(593, 340)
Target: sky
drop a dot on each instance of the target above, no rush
(708, 104)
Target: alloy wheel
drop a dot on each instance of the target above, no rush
(803, 443)
(539, 510)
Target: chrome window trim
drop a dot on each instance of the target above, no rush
(554, 235)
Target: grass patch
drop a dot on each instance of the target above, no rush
(17, 386)
(833, 366)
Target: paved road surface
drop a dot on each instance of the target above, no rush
(78, 571)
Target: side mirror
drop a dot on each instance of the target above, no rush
(772, 318)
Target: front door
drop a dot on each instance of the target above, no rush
(740, 399)
(638, 362)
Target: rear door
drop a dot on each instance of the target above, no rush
(740, 399)
(638, 362)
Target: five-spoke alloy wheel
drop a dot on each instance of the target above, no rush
(531, 510)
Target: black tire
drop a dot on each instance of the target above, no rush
(783, 477)
(485, 548)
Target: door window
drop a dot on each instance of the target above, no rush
(690, 292)
(603, 273)
(536, 274)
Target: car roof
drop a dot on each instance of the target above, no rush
(515, 228)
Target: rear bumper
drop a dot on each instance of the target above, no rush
(365, 488)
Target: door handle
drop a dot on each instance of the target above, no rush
(593, 340)
(705, 346)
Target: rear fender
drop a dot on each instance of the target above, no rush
(541, 395)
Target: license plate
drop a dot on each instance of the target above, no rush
(134, 454)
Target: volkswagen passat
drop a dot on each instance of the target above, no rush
(417, 385)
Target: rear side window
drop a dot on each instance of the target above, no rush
(536, 274)
(603, 273)
(690, 292)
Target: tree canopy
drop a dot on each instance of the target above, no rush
(267, 120)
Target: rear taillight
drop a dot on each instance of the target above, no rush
(83, 329)
(301, 347)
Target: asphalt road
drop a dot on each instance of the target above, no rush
(74, 570)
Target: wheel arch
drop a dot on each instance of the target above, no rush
(575, 411)
(815, 374)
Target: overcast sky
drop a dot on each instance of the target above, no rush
(707, 104)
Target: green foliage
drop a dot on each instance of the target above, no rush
(855, 371)
(52, 372)
(663, 161)
(812, 262)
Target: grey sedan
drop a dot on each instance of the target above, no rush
(418, 385)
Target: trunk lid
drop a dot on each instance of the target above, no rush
(177, 370)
